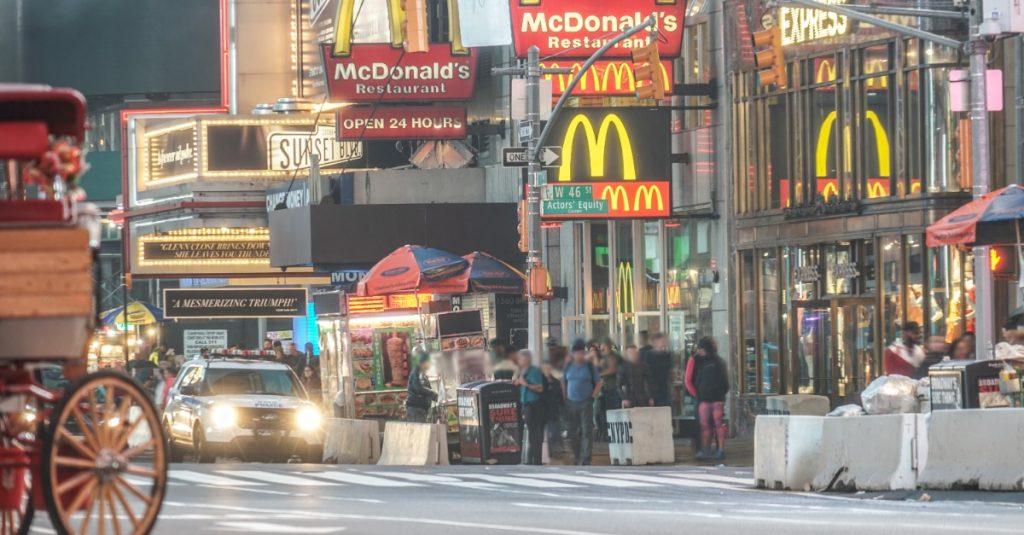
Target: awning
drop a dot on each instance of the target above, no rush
(994, 219)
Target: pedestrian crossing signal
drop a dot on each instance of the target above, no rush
(769, 59)
(1002, 260)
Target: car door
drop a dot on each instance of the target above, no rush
(178, 404)
(192, 401)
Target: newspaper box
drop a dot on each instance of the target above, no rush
(489, 426)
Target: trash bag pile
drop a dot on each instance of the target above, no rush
(891, 394)
(846, 411)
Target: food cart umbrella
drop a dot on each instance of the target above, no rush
(139, 313)
(996, 218)
(487, 274)
(415, 269)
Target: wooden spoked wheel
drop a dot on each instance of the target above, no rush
(17, 436)
(105, 461)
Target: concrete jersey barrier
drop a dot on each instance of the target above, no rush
(787, 451)
(351, 441)
(414, 444)
(876, 453)
(797, 405)
(975, 448)
(640, 436)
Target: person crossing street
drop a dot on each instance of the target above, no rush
(530, 381)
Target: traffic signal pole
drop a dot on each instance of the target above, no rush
(535, 175)
(976, 47)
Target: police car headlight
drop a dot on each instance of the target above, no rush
(308, 419)
(222, 416)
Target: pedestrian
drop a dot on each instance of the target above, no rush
(504, 363)
(268, 344)
(296, 358)
(531, 387)
(553, 403)
(556, 353)
(644, 343)
(905, 355)
(279, 354)
(580, 386)
(204, 353)
(311, 382)
(659, 364)
(610, 399)
(144, 371)
(634, 380)
(157, 354)
(707, 379)
(311, 358)
(420, 397)
(962, 348)
(168, 373)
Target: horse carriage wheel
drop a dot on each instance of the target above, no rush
(104, 466)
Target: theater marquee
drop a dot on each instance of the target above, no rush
(202, 250)
(615, 165)
(571, 28)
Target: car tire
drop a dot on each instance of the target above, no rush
(174, 451)
(199, 445)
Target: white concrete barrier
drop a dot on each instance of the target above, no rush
(414, 444)
(640, 436)
(881, 452)
(797, 405)
(351, 441)
(787, 451)
(970, 448)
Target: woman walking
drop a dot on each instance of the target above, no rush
(707, 380)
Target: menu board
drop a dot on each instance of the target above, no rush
(381, 363)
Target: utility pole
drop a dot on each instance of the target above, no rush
(532, 71)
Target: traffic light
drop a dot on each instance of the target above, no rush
(1003, 261)
(647, 68)
(524, 242)
(770, 60)
(415, 26)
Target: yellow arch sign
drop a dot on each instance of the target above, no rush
(825, 136)
(596, 144)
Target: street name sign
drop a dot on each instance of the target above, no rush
(572, 200)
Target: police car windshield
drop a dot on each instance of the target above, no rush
(228, 382)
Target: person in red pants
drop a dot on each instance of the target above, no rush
(707, 379)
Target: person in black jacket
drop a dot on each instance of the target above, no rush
(633, 381)
(421, 397)
(707, 379)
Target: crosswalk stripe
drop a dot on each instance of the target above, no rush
(208, 479)
(266, 527)
(361, 479)
(446, 481)
(713, 477)
(674, 481)
(588, 480)
(280, 479)
(521, 481)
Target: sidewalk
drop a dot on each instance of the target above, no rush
(738, 452)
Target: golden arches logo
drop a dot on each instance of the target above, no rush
(648, 193)
(596, 80)
(825, 72)
(881, 144)
(596, 144)
(645, 197)
(396, 21)
(612, 194)
(625, 301)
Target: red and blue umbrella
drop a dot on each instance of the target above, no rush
(994, 219)
(488, 274)
(415, 269)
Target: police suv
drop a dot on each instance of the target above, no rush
(252, 409)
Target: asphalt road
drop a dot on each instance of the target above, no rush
(455, 500)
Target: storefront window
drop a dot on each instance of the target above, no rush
(826, 127)
(840, 269)
(625, 275)
(780, 173)
(771, 340)
(689, 279)
(805, 273)
(649, 290)
(749, 308)
(946, 298)
(599, 268)
(916, 305)
(892, 284)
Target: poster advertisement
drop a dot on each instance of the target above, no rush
(381, 364)
(469, 428)
(195, 340)
(504, 419)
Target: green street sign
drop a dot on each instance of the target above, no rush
(560, 192)
(575, 207)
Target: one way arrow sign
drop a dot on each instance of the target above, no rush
(516, 156)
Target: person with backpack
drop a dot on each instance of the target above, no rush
(580, 385)
(707, 379)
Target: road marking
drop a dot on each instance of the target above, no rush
(522, 481)
(264, 527)
(360, 479)
(40, 529)
(447, 481)
(588, 480)
(208, 479)
(678, 482)
(712, 477)
(280, 479)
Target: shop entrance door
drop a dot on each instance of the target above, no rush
(835, 347)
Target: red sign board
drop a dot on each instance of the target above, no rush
(380, 73)
(604, 78)
(577, 28)
(405, 122)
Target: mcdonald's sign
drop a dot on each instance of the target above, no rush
(613, 144)
(604, 78)
(611, 200)
(575, 28)
(375, 73)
